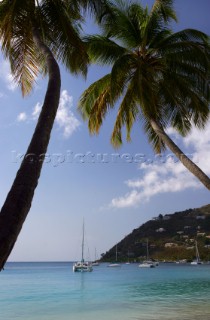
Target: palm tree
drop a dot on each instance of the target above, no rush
(35, 36)
(158, 78)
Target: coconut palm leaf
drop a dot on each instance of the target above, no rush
(17, 43)
(103, 49)
(64, 36)
(154, 139)
(126, 116)
(124, 24)
(95, 102)
(164, 8)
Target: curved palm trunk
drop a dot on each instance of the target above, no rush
(190, 165)
(19, 198)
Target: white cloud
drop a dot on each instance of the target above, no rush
(171, 176)
(131, 199)
(36, 111)
(200, 141)
(65, 117)
(22, 117)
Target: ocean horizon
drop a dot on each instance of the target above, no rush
(51, 290)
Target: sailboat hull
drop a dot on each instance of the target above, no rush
(147, 265)
(82, 267)
(114, 265)
(196, 263)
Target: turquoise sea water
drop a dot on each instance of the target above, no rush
(51, 291)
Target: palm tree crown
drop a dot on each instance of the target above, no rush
(58, 27)
(157, 77)
(159, 74)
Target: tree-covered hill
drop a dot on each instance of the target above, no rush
(171, 237)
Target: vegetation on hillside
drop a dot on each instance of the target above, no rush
(171, 237)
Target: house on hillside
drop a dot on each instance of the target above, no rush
(171, 245)
(200, 217)
(201, 234)
(160, 230)
(180, 232)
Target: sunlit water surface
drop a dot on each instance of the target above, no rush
(49, 291)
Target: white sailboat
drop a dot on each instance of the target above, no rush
(148, 263)
(198, 260)
(115, 264)
(82, 266)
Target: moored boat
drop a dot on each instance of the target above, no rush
(114, 264)
(198, 260)
(148, 263)
(82, 266)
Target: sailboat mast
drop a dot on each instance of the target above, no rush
(197, 253)
(83, 231)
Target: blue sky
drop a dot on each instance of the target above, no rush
(83, 176)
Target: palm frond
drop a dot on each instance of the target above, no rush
(122, 72)
(126, 116)
(124, 23)
(188, 35)
(17, 42)
(61, 32)
(102, 49)
(154, 139)
(164, 8)
(184, 102)
(95, 102)
(157, 27)
(95, 8)
(25, 65)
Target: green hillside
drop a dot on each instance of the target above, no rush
(171, 237)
